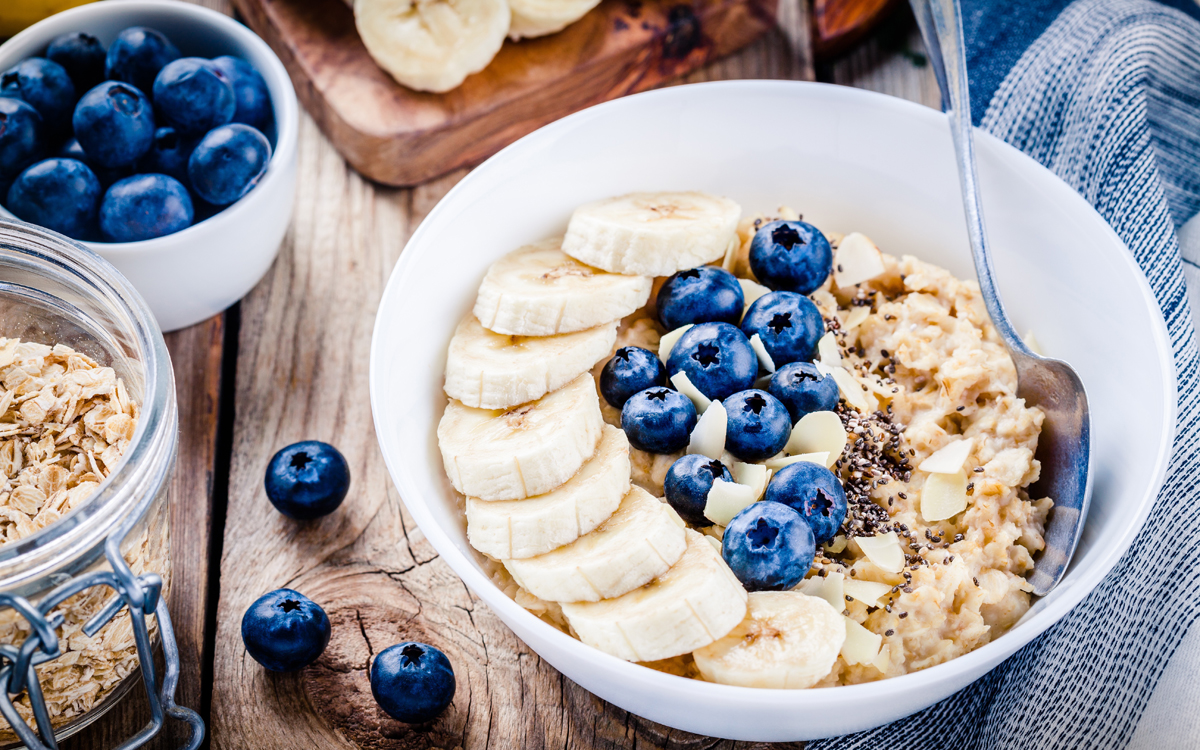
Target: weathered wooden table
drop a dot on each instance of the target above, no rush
(290, 363)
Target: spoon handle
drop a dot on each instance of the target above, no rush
(941, 27)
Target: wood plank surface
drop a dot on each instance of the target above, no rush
(398, 136)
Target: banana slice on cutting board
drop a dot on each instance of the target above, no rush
(635, 545)
(693, 604)
(787, 640)
(532, 18)
(538, 290)
(652, 234)
(493, 371)
(507, 529)
(432, 45)
(521, 452)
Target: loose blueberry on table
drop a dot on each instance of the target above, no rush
(700, 295)
(716, 357)
(630, 370)
(307, 480)
(758, 425)
(687, 484)
(658, 420)
(285, 630)
(412, 682)
(803, 389)
(790, 256)
(769, 547)
(789, 324)
(813, 491)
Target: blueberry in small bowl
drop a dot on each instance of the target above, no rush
(82, 56)
(658, 420)
(769, 547)
(143, 207)
(789, 324)
(307, 480)
(193, 96)
(814, 492)
(137, 55)
(700, 295)
(687, 484)
(630, 370)
(228, 162)
(114, 124)
(716, 357)
(412, 682)
(803, 389)
(249, 91)
(45, 86)
(790, 256)
(758, 425)
(285, 630)
(59, 194)
(21, 138)
(169, 155)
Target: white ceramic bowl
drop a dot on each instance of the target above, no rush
(848, 160)
(191, 275)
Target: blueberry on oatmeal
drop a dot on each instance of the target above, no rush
(716, 357)
(769, 547)
(815, 493)
(658, 420)
(630, 370)
(791, 256)
(789, 324)
(759, 425)
(687, 484)
(700, 295)
(803, 389)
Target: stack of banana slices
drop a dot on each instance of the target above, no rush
(433, 45)
(547, 483)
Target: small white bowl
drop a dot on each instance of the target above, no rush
(193, 274)
(849, 160)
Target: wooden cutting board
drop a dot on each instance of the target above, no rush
(397, 136)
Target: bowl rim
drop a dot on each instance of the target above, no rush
(287, 117)
(1045, 613)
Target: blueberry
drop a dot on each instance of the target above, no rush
(658, 420)
(59, 194)
(700, 295)
(249, 89)
(412, 682)
(769, 547)
(307, 480)
(136, 56)
(143, 207)
(228, 163)
(107, 175)
(82, 56)
(630, 370)
(716, 357)
(803, 389)
(21, 139)
(790, 256)
(758, 425)
(789, 324)
(687, 484)
(114, 123)
(45, 86)
(192, 96)
(169, 155)
(72, 150)
(815, 493)
(285, 630)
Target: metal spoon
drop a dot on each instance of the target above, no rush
(1050, 384)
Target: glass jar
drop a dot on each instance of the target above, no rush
(83, 600)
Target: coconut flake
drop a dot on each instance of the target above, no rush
(715, 543)
(857, 260)
(943, 496)
(818, 432)
(948, 459)
(764, 356)
(727, 499)
(856, 318)
(684, 385)
(861, 646)
(821, 459)
(828, 351)
(851, 389)
(708, 436)
(751, 291)
(669, 340)
(754, 476)
(827, 587)
(867, 592)
(883, 550)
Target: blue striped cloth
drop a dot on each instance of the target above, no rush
(1106, 94)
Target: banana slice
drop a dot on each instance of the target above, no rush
(652, 234)
(490, 371)
(538, 290)
(509, 529)
(532, 18)
(693, 604)
(788, 640)
(432, 45)
(637, 543)
(522, 452)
